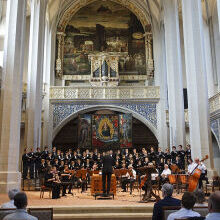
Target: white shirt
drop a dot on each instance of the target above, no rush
(213, 216)
(154, 176)
(166, 172)
(8, 205)
(134, 174)
(183, 213)
(202, 167)
(192, 167)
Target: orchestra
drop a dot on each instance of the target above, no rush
(74, 167)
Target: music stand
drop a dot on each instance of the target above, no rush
(148, 170)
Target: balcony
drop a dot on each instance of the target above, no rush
(105, 93)
(214, 104)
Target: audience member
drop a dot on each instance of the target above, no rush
(11, 195)
(214, 207)
(168, 200)
(200, 198)
(188, 202)
(20, 201)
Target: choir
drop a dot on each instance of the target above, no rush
(59, 168)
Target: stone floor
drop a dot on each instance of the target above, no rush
(83, 199)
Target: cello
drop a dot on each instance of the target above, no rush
(194, 176)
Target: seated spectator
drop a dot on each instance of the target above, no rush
(20, 201)
(168, 200)
(214, 206)
(11, 195)
(200, 198)
(188, 202)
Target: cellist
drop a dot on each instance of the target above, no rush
(201, 166)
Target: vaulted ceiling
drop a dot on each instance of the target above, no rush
(152, 8)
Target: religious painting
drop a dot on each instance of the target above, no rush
(104, 130)
(104, 26)
(125, 130)
(84, 131)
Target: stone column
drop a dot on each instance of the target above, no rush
(174, 73)
(161, 80)
(200, 136)
(35, 73)
(11, 94)
(49, 60)
(218, 9)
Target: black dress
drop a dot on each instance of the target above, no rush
(55, 186)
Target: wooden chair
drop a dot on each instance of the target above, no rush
(214, 184)
(4, 212)
(183, 178)
(174, 181)
(167, 210)
(156, 186)
(41, 213)
(44, 188)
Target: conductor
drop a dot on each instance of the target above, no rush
(108, 163)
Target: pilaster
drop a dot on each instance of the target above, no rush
(35, 73)
(11, 94)
(218, 9)
(174, 73)
(200, 136)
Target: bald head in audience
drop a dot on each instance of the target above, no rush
(214, 202)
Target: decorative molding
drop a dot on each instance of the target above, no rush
(62, 110)
(214, 103)
(103, 93)
(121, 77)
(186, 115)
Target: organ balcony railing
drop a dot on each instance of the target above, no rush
(103, 93)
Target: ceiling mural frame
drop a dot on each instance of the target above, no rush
(70, 11)
(78, 4)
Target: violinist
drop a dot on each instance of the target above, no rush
(66, 177)
(164, 175)
(129, 177)
(51, 181)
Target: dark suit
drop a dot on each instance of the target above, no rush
(158, 206)
(108, 163)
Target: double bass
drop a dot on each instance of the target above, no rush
(194, 176)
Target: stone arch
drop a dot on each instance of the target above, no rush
(78, 4)
(216, 137)
(110, 107)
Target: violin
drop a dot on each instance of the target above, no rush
(143, 180)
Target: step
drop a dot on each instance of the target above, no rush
(103, 209)
(104, 216)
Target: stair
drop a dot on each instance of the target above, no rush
(103, 212)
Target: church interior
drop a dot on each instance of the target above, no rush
(88, 81)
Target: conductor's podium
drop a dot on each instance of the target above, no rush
(96, 184)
